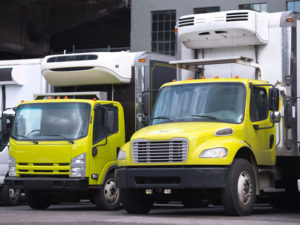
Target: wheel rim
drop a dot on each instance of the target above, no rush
(13, 194)
(111, 192)
(245, 188)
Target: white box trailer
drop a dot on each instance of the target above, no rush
(252, 45)
(19, 80)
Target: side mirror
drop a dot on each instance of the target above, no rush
(110, 121)
(273, 99)
(275, 117)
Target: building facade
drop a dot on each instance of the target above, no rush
(153, 21)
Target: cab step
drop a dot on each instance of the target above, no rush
(273, 190)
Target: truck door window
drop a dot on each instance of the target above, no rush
(258, 104)
(99, 131)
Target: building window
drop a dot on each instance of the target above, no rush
(163, 36)
(260, 7)
(293, 6)
(206, 10)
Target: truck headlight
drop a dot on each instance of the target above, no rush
(11, 166)
(78, 165)
(214, 153)
(121, 155)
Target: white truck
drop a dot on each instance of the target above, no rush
(259, 46)
(19, 80)
(228, 131)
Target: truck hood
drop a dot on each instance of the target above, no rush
(45, 151)
(189, 130)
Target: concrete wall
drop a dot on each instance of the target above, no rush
(140, 39)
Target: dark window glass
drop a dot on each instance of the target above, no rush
(260, 7)
(99, 131)
(99, 122)
(163, 36)
(206, 10)
(259, 105)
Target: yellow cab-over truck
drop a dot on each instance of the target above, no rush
(227, 132)
(64, 144)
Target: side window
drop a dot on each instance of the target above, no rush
(259, 104)
(114, 119)
(99, 128)
(99, 131)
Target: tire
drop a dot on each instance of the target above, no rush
(108, 197)
(240, 192)
(9, 196)
(135, 201)
(36, 200)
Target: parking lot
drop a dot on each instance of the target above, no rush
(86, 213)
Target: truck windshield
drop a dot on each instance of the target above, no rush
(217, 102)
(51, 121)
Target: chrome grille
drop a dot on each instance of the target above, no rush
(145, 151)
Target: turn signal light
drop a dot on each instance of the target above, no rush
(236, 77)
(142, 60)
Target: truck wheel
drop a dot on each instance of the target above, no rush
(135, 201)
(108, 197)
(9, 196)
(240, 192)
(36, 200)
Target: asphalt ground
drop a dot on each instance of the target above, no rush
(87, 214)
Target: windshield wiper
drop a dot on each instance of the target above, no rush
(27, 138)
(205, 116)
(161, 118)
(59, 135)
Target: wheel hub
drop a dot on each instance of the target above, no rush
(245, 188)
(111, 193)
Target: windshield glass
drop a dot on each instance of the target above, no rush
(217, 102)
(51, 121)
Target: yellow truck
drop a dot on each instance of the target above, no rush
(215, 138)
(64, 144)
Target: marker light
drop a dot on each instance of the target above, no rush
(94, 99)
(289, 20)
(174, 80)
(22, 101)
(176, 30)
(203, 77)
(66, 97)
(50, 98)
(58, 97)
(236, 77)
(191, 78)
(142, 60)
(217, 77)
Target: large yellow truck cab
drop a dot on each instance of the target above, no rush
(65, 149)
(207, 136)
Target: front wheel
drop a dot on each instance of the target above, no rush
(135, 201)
(108, 197)
(37, 200)
(240, 192)
(9, 196)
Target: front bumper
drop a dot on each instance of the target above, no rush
(46, 183)
(172, 177)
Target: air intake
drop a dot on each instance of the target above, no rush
(187, 21)
(71, 58)
(239, 16)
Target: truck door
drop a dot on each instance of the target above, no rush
(262, 136)
(104, 146)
